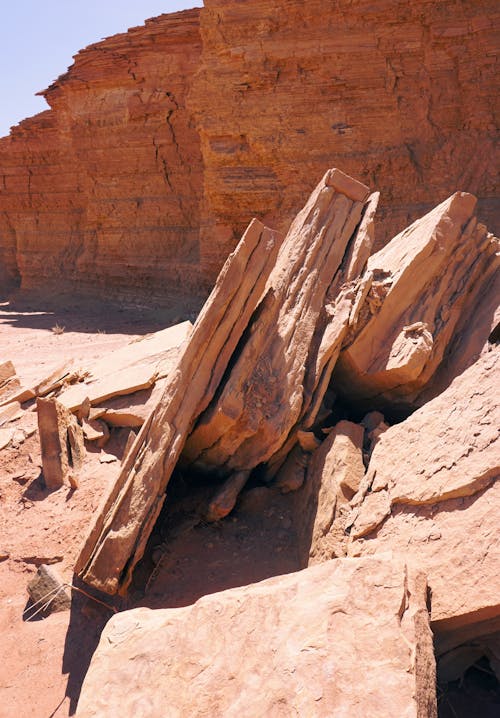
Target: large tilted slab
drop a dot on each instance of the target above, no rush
(117, 539)
(271, 384)
(347, 638)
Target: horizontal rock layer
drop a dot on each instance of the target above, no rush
(163, 142)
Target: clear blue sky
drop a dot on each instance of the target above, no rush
(38, 39)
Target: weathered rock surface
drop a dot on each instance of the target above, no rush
(174, 135)
(275, 377)
(432, 494)
(61, 441)
(420, 285)
(347, 638)
(131, 369)
(117, 539)
(45, 588)
(334, 475)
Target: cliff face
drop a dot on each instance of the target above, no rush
(103, 190)
(163, 142)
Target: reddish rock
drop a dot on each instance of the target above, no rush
(347, 638)
(121, 529)
(432, 494)
(61, 441)
(280, 370)
(420, 285)
(171, 137)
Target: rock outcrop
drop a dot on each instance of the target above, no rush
(120, 532)
(268, 375)
(432, 494)
(162, 143)
(347, 638)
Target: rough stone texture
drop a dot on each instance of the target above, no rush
(275, 378)
(432, 494)
(112, 173)
(347, 638)
(333, 476)
(46, 585)
(174, 135)
(420, 285)
(135, 367)
(121, 529)
(61, 441)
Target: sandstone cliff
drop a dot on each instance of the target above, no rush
(162, 143)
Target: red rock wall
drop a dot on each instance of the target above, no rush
(164, 142)
(102, 192)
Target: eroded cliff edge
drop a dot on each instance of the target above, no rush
(163, 142)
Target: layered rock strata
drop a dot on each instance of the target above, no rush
(162, 143)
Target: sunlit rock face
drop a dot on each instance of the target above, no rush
(162, 143)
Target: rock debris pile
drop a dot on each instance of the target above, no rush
(363, 384)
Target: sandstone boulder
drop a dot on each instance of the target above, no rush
(421, 284)
(347, 638)
(432, 494)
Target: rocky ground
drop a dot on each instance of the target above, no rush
(306, 478)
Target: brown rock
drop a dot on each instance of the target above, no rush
(47, 586)
(126, 371)
(333, 476)
(118, 537)
(435, 498)
(10, 412)
(271, 385)
(348, 637)
(421, 283)
(61, 441)
(260, 99)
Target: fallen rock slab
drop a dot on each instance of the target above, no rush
(117, 540)
(432, 493)
(133, 368)
(345, 638)
(10, 412)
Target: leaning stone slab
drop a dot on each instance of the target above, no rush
(117, 540)
(280, 367)
(344, 638)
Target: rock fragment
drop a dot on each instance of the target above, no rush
(47, 586)
(61, 441)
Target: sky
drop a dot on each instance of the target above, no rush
(38, 39)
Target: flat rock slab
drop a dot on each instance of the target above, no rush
(348, 638)
(130, 369)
